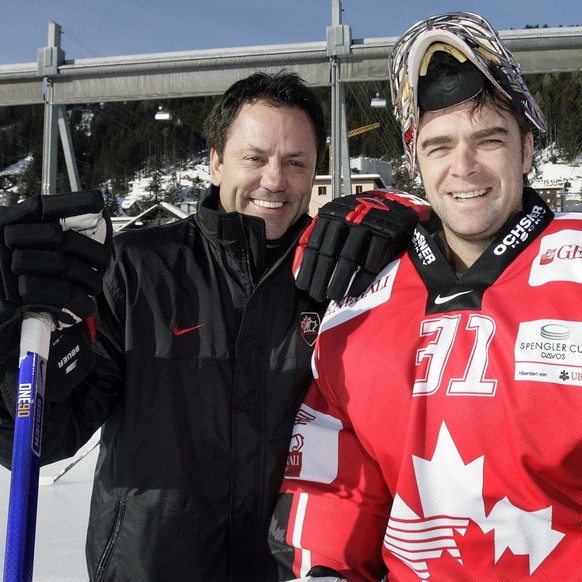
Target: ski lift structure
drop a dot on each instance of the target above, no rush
(57, 82)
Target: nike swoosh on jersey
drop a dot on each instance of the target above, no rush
(183, 330)
(445, 299)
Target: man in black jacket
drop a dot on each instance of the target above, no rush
(201, 358)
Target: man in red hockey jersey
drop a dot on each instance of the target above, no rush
(442, 437)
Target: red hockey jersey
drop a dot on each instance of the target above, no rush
(442, 437)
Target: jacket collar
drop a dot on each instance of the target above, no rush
(237, 233)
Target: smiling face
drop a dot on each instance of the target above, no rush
(268, 166)
(472, 165)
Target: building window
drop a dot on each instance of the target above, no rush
(322, 190)
(359, 189)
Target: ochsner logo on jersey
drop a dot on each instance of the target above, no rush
(422, 248)
(520, 232)
(559, 258)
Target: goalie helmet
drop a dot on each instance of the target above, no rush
(444, 60)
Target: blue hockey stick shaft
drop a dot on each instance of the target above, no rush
(23, 501)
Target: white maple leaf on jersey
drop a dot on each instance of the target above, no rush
(450, 492)
(449, 487)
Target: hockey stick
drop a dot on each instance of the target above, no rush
(49, 480)
(34, 351)
(23, 500)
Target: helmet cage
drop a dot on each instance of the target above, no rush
(473, 36)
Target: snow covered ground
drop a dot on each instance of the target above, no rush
(184, 179)
(558, 175)
(549, 175)
(63, 512)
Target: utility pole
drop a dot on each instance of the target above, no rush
(339, 40)
(55, 116)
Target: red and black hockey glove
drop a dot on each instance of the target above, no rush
(352, 239)
(53, 253)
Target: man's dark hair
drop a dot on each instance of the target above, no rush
(281, 89)
(502, 105)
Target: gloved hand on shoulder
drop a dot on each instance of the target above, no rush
(54, 250)
(352, 239)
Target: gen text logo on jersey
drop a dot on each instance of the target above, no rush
(559, 259)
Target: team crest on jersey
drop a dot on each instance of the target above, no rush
(309, 323)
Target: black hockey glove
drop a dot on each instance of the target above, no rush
(352, 239)
(53, 252)
(71, 358)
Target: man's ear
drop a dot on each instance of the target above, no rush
(528, 148)
(215, 167)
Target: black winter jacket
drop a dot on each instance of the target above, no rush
(202, 358)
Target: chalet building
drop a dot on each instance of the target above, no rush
(367, 174)
(560, 194)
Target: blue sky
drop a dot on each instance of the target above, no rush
(101, 28)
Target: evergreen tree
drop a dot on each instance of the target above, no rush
(172, 194)
(155, 185)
